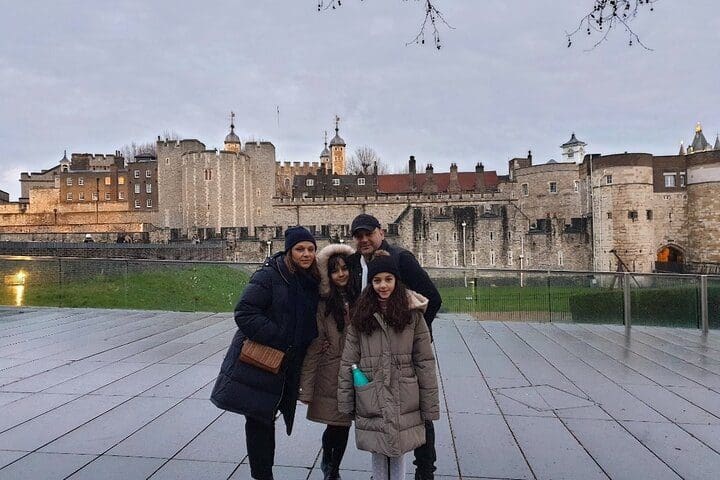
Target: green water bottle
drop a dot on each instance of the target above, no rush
(359, 378)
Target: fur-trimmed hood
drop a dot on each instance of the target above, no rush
(323, 257)
(417, 301)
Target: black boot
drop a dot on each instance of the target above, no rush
(326, 461)
(336, 456)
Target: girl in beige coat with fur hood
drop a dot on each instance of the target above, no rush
(389, 340)
(319, 379)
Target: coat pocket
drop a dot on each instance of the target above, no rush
(367, 404)
(409, 395)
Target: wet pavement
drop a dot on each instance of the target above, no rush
(105, 394)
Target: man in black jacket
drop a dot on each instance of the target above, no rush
(369, 237)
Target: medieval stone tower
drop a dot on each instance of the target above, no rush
(337, 151)
(703, 207)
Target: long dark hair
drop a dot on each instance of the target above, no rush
(397, 312)
(294, 268)
(335, 301)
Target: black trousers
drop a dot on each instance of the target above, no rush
(260, 440)
(335, 437)
(425, 455)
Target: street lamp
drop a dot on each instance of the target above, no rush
(463, 225)
(269, 248)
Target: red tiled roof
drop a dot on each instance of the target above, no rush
(401, 183)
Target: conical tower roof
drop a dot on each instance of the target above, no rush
(232, 137)
(572, 142)
(717, 142)
(700, 143)
(682, 149)
(337, 140)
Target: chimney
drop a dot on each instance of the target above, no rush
(529, 158)
(411, 170)
(479, 177)
(454, 184)
(429, 185)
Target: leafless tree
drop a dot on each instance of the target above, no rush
(607, 15)
(131, 150)
(364, 160)
(430, 25)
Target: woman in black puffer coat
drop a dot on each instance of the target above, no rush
(277, 309)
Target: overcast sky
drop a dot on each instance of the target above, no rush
(91, 76)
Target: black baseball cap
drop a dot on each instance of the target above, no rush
(364, 221)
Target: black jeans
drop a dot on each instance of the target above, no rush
(335, 437)
(260, 440)
(425, 455)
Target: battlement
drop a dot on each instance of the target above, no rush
(378, 198)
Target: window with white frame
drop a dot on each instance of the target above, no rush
(81, 196)
(94, 196)
(81, 181)
(336, 182)
(121, 180)
(108, 181)
(136, 173)
(361, 181)
(137, 203)
(608, 180)
(68, 181)
(137, 188)
(148, 188)
(69, 196)
(455, 259)
(107, 195)
(121, 195)
(148, 203)
(148, 173)
(552, 187)
(473, 258)
(525, 189)
(310, 182)
(669, 180)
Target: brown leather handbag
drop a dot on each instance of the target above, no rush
(261, 356)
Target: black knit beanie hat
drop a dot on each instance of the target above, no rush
(295, 235)
(382, 263)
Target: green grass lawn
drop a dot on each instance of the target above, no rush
(508, 299)
(208, 288)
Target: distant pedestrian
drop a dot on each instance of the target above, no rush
(390, 342)
(369, 237)
(276, 310)
(319, 380)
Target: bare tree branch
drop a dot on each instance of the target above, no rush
(364, 160)
(433, 19)
(607, 15)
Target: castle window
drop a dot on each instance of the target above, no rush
(108, 180)
(137, 188)
(633, 215)
(107, 195)
(94, 196)
(608, 180)
(455, 236)
(148, 188)
(525, 189)
(136, 174)
(682, 179)
(309, 182)
(561, 260)
(167, 160)
(81, 196)
(121, 180)
(121, 195)
(69, 197)
(361, 181)
(137, 203)
(669, 180)
(576, 186)
(208, 174)
(64, 168)
(336, 182)
(81, 181)
(491, 236)
(455, 259)
(473, 258)
(148, 173)
(437, 259)
(552, 187)
(148, 203)
(68, 181)
(510, 258)
(437, 237)
(648, 214)
(609, 215)
(492, 257)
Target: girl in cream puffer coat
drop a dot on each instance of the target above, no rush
(389, 341)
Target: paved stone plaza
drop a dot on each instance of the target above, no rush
(103, 394)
